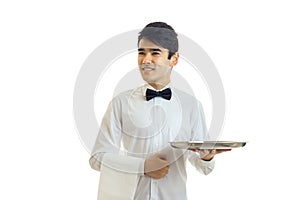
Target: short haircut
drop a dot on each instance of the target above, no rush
(162, 35)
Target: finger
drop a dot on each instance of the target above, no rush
(194, 150)
(165, 171)
(212, 152)
(209, 154)
(159, 174)
(204, 152)
(222, 150)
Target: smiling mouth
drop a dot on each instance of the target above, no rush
(148, 68)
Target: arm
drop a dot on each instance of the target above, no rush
(204, 164)
(107, 145)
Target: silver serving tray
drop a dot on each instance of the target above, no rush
(207, 144)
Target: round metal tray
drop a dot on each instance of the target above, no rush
(207, 144)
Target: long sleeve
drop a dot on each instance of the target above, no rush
(107, 149)
(199, 132)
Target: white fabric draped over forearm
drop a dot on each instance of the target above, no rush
(121, 163)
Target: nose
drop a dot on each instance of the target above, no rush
(147, 59)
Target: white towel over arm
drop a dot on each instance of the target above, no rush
(116, 185)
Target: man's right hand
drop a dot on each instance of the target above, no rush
(157, 166)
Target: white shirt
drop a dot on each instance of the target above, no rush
(134, 129)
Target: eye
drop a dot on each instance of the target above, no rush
(155, 53)
(141, 53)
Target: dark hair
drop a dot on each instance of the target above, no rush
(162, 35)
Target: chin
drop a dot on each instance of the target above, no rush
(147, 78)
(149, 81)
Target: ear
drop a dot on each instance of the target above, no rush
(174, 59)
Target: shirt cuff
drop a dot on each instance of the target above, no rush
(206, 163)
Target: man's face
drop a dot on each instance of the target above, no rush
(154, 65)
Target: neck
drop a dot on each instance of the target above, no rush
(159, 86)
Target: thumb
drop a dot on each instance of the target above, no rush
(211, 154)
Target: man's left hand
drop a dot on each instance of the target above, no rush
(208, 154)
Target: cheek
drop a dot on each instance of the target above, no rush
(160, 61)
(139, 60)
(165, 62)
(162, 70)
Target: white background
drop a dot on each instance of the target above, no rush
(255, 46)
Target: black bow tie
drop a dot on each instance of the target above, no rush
(166, 94)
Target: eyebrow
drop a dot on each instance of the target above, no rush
(151, 49)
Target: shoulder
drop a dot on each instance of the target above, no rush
(125, 96)
(188, 101)
(185, 97)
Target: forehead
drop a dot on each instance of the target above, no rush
(147, 44)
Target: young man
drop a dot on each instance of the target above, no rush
(139, 124)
